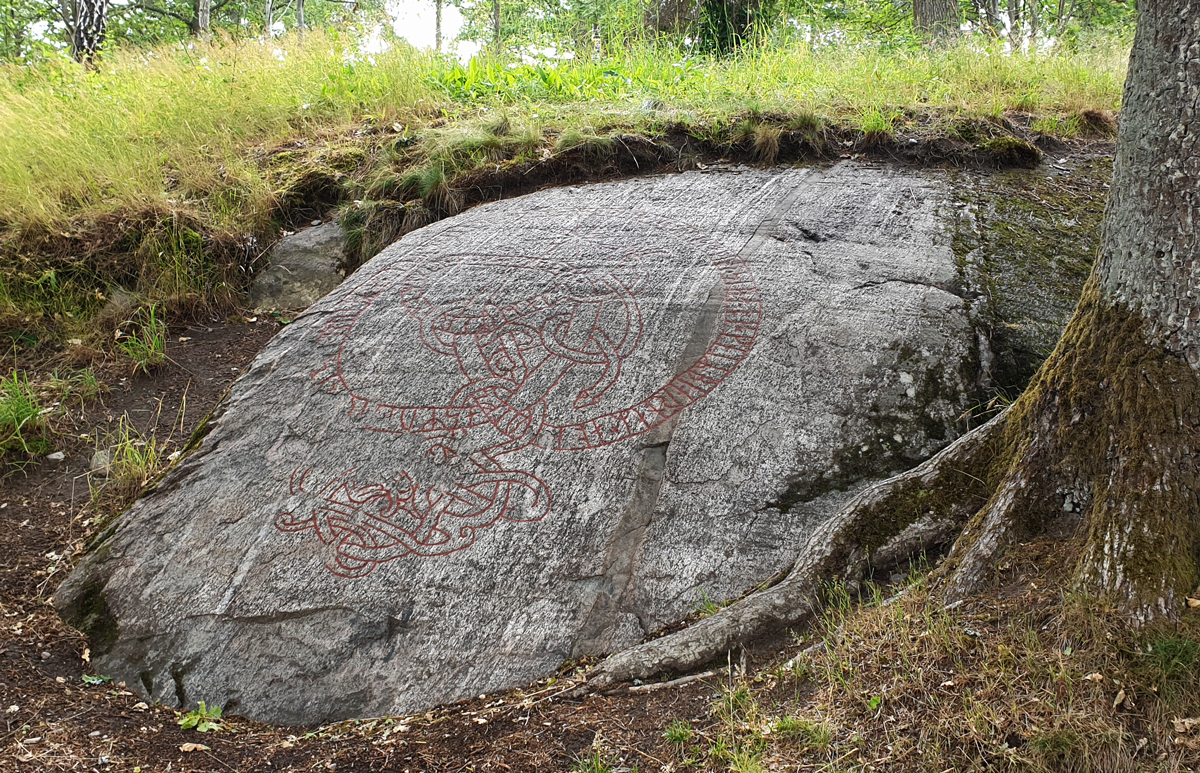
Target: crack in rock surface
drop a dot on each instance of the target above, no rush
(536, 431)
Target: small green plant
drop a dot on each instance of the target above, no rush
(143, 339)
(746, 760)
(703, 605)
(592, 762)
(1173, 667)
(877, 125)
(734, 703)
(811, 735)
(202, 719)
(79, 386)
(720, 748)
(133, 460)
(22, 427)
(678, 733)
(89, 679)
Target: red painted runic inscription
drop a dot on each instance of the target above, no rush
(537, 330)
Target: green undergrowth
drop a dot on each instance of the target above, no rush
(1022, 678)
(165, 174)
(34, 412)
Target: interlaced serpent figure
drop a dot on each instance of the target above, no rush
(516, 341)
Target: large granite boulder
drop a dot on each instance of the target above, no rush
(539, 430)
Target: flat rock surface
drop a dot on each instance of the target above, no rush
(538, 430)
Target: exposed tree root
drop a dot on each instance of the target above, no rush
(919, 510)
(1105, 435)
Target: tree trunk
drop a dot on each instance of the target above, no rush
(300, 18)
(1014, 24)
(1102, 442)
(268, 12)
(496, 26)
(13, 38)
(437, 27)
(990, 11)
(936, 20)
(89, 18)
(1112, 420)
(203, 23)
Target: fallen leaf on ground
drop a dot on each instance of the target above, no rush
(1186, 725)
(193, 747)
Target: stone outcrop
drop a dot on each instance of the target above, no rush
(303, 267)
(539, 430)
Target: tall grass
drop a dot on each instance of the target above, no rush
(159, 171)
(838, 81)
(174, 122)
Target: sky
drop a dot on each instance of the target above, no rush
(414, 20)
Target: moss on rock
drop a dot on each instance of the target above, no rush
(1026, 241)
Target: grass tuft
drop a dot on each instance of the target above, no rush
(1011, 152)
(22, 428)
(142, 339)
(678, 733)
(877, 126)
(766, 143)
(593, 762)
(807, 123)
(808, 734)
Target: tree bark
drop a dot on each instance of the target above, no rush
(1104, 440)
(1014, 24)
(496, 26)
(1111, 422)
(437, 27)
(88, 21)
(268, 12)
(203, 16)
(936, 20)
(989, 10)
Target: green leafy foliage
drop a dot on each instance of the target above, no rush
(201, 719)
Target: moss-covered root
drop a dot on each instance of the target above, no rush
(917, 511)
(1106, 435)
